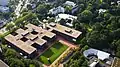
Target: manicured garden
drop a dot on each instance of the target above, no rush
(52, 53)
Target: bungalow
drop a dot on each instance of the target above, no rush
(66, 17)
(94, 52)
(70, 3)
(57, 10)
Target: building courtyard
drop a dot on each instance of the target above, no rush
(50, 55)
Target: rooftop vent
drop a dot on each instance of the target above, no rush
(68, 31)
(52, 24)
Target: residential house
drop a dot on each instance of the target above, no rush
(66, 17)
(57, 10)
(73, 5)
(70, 3)
(100, 54)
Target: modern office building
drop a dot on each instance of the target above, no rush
(66, 32)
(30, 39)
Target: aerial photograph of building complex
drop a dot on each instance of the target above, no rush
(59, 33)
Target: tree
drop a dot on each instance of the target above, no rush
(97, 26)
(107, 16)
(10, 53)
(104, 5)
(29, 62)
(118, 54)
(41, 9)
(36, 63)
(84, 48)
(35, 22)
(85, 16)
(10, 26)
(116, 33)
(16, 63)
(68, 9)
(96, 39)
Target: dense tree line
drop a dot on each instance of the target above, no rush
(78, 60)
(101, 29)
(13, 59)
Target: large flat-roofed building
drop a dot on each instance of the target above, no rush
(30, 39)
(66, 32)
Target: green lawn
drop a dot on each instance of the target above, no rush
(52, 53)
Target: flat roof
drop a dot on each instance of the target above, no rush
(25, 38)
(40, 41)
(2, 64)
(31, 36)
(42, 32)
(20, 44)
(65, 30)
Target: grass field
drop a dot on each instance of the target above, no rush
(52, 53)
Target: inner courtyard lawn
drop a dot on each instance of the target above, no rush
(52, 53)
